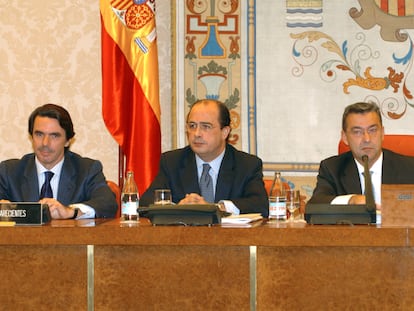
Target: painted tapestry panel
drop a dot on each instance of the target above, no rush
(313, 58)
(212, 62)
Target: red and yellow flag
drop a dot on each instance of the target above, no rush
(130, 86)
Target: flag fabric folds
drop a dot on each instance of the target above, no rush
(130, 84)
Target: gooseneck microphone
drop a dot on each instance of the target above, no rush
(369, 195)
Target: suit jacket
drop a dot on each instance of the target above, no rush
(240, 179)
(338, 175)
(81, 181)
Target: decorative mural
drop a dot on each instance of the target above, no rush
(391, 16)
(300, 13)
(354, 65)
(212, 56)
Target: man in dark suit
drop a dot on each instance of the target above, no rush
(341, 180)
(236, 176)
(76, 186)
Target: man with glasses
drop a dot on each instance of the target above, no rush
(341, 180)
(209, 169)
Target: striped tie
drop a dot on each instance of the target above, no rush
(206, 184)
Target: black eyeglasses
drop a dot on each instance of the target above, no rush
(359, 132)
(204, 126)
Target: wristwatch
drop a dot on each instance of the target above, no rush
(75, 214)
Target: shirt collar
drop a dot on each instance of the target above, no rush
(375, 169)
(215, 164)
(56, 169)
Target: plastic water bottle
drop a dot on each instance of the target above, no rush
(277, 199)
(129, 200)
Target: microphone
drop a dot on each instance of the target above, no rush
(369, 195)
(327, 213)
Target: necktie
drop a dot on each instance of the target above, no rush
(206, 184)
(46, 191)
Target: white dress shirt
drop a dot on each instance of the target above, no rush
(376, 178)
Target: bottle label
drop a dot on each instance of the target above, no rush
(129, 208)
(277, 208)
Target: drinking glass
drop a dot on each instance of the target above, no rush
(162, 196)
(292, 202)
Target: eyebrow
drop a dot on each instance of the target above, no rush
(52, 133)
(360, 127)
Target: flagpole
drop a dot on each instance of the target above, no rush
(121, 167)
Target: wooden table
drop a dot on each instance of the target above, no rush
(103, 265)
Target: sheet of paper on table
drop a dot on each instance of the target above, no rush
(242, 220)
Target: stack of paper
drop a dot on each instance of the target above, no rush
(242, 220)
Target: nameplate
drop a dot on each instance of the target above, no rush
(397, 208)
(24, 213)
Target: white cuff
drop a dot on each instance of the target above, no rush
(230, 207)
(88, 212)
(342, 199)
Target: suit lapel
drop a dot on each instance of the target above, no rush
(30, 183)
(350, 177)
(389, 173)
(67, 180)
(226, 175)
(188, 173)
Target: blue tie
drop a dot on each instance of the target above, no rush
(46, 191)
(206, 184)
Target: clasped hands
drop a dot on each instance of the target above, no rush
(360, 199)
(57, 209)
(193, 198)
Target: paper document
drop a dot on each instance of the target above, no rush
(241, 219)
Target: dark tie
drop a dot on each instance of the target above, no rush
(206, 184)
(46, 191)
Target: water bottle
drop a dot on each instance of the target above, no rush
(277, 199)
(129, 200)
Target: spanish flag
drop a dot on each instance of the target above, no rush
(130, 86)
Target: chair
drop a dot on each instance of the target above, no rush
(403, 144)
(115, 189)
(268, 184)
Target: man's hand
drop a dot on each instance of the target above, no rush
(57, 210)
(357, 199)
(193, 198)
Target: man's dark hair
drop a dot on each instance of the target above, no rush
(54, 112)
(361, 108)
(224, 113)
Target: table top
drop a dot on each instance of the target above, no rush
(284, 234)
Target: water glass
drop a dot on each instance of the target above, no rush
(292, 202)
(162, 196)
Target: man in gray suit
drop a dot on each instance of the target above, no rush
(236, 176)
(340, 179)
(72, 186)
